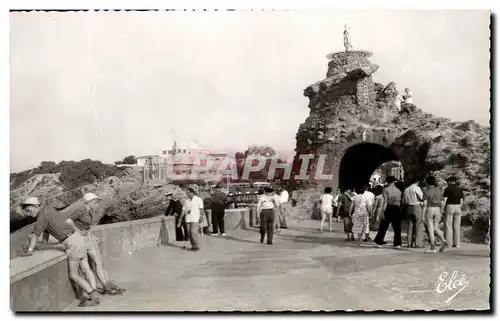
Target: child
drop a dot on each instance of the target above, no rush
(326, 208)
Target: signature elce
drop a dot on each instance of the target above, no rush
(452, 284)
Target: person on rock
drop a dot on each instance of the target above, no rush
(433, 203)
(266, 207)
(191, 211)
(360, 212)
(74, 243)
(81, 222)
(344, 207)
(326, 208)
(175, 209)
(391, 209)
(407, 96)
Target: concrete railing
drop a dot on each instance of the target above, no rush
(240, 218)
(41, 283)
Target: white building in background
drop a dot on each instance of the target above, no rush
(178, 162)
(146, 159)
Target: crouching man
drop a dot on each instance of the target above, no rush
(81, 222)
(55, 224)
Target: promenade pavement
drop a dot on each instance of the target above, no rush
(303, 270)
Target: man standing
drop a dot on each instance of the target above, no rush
(260, 194)
(413, 198)
(192, 209)
(454, 200)
(285, 206)
(175, 208)
(218, 211)
(56, 225)
(336, 199)
(433, 202)
(392, 214)
(277, 210)
(266, 209)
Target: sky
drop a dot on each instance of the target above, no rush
(104, 85)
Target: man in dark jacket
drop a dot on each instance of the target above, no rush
(218, 206)
(175, 208)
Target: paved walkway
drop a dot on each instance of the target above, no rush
(303, 270)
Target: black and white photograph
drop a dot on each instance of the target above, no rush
(255, 160)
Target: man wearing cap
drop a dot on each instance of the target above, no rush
(175, 208)
(81, 221)
(74, 242)
(192, 209)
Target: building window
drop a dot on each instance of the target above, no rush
(164, 152)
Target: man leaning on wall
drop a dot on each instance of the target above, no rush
(55, 224)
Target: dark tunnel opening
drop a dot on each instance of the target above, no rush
(360, 161)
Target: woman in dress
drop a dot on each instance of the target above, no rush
(359, 212)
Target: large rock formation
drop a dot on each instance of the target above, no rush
(358, 124)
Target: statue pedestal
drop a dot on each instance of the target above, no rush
(347, 61)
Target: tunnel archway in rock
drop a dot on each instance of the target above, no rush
(360, 161)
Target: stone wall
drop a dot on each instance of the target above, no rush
(345, 62)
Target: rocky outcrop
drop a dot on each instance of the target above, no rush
(123, 198)
(348, 110)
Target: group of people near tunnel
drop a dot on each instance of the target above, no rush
(193, 219)
(423, 204)
(73, 230)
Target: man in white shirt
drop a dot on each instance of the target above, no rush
(407, 96)
(278, 212)
(370, 200)
(413, 198)
(192, 210)
(266, 208)
(285, 206)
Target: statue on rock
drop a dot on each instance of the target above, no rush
(397, 101)
(347, 38)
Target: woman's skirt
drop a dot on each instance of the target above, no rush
(359, 223)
